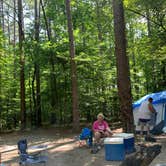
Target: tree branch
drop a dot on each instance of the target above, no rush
(143, 15)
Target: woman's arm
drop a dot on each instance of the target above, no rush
(109, 130)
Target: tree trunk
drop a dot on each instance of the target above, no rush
(73, 68)
(46, 22)
(124, 85)
(34, 118)
(14, 37)
(30, 101)
(53, 86)
(8, 20)
(2, 27)
(99, 25)
(22, 63)
(148, 21)
(36, 65)
(14, 55)
(2, 17)
(99, 7)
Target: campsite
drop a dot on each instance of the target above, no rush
(82, 82)
(62, 149)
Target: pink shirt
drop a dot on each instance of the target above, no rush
(100, 125)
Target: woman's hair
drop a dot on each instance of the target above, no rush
(100, 114)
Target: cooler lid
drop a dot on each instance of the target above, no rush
(124, 135)
(113, 140)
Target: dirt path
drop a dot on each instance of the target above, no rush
(62, 150)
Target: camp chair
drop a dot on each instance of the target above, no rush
(25, 158)
(86, 135)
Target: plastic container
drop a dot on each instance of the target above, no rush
(129, 142)
(114, 149)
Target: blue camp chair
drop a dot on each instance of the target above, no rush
(86, 134)
(25, 158)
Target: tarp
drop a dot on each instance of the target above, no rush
(159, 97)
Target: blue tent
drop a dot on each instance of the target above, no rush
(158, 98)
(159, 101)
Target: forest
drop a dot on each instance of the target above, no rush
(64, 61)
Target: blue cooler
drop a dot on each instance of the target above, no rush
(114, 149)
(128, 141)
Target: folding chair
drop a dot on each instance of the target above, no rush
(25, 158)
(86, 135)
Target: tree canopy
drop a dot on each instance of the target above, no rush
(45, 60)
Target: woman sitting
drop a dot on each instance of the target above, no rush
(101, 129)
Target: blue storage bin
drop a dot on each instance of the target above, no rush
(129, 141)
(114, 149)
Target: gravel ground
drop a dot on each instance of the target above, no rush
(62, 149)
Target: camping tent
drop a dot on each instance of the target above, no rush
(159, 102)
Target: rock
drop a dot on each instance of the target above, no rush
(143, 156)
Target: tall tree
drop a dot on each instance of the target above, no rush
(73, 68)
(2, 15)
(22, 63)
(124, 85)
(8, 24)
(53, 81)
(14, 61)
(37, 67)
(99, 6)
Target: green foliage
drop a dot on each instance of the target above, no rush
(96, 63)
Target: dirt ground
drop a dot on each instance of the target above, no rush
(62, 149)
